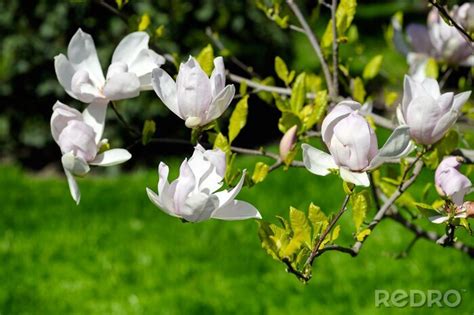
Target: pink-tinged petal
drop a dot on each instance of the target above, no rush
(317, 161)
(218, 76)
(62, 114)
(163, 172)
(358, 179)
(122, 86)
(419, 38)
(220, 103)
(130, 47)
(288, 141)
(431, 87)
(397, 146)
(445, 102)
(83, 56)
(199, 206)
(79, 138)
(186, 183)
(166, 89)
(111, 157)
(116, 68)
(218, 160)
(411, 89)
(73, 187)
(94, 116)
(422, 116)
(194, 90)
(64, 72)
(83, 87)
(146, 61)
(237, 210)
(340, 111)
(76, 165)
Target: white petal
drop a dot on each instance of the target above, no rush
(76, 165)
(130, 46)
(145, 62)
(62, 114)
(83, 56)
(438, 219)
(237, 210)
(431, 86)
(395, 147)
(155, 199)
(165, 88)
(317, 161)
(226, 197)
(73, 187)
(184, 186)
(64, 72)
(111, 157)
(400, 118)
(218, 76)
(460, 99)
(122, 86)
(359, 179)
(94, 116)
(220, 103)
(199, 207)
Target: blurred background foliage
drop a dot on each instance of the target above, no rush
(33, 32)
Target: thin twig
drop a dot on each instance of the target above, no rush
(443, 12)
(335, 49)
(315, 44)
(115, 11)
(124, 122)
(333, 222)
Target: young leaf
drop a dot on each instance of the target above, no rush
(260, 172)
(149, 129)
(363, 234)
(281, 69)
(344, 15)
(359, 209)
(298, 94)
(358, 90)
(317, 218)
(300, 226)
(144, 22)
(221, 143)
(206, 59)
(265, 233)
(288, 120)
(238, 119)
(432, 69)
(373, 67)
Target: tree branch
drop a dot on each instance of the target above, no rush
(315, 44)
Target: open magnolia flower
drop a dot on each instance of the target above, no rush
(450, 182)
(80, 73)
(79, 138)
(194, 195)
(353, 145)
(194, 97)
(427, 112)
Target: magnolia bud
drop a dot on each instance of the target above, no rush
(288, 141)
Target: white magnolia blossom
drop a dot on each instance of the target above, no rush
(194, 97)
(194, 196)
(427, 112)
(79, 138)
(436, 40)
(80, 72)
(353, 145)
(450, 182)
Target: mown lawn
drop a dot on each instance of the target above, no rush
(118, 254)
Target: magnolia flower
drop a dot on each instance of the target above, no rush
(80, 73)
(288, 142)
(450, 182)
(427, 112)
(194, 195)
(465, 16)
(194, 97)
(468, 206)
(79, 138)
(353, 145)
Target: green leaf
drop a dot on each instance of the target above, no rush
(288, 120)
(313, 83)
(359, 209)
(281, 69)
(221, 143)
(206, 59)
(267, 97)
(358, 90)
(300, 225)
(317, 218)
(265, 233)
(243, 88)
(426, 210)
(372, 68)
(298, 93)
(121, 3)
(238, 119)
(335, 233)
(344, 15)
(149, 129)
(313, 114)
(260, 172)
(144, 22)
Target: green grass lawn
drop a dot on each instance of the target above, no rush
(118, 254)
